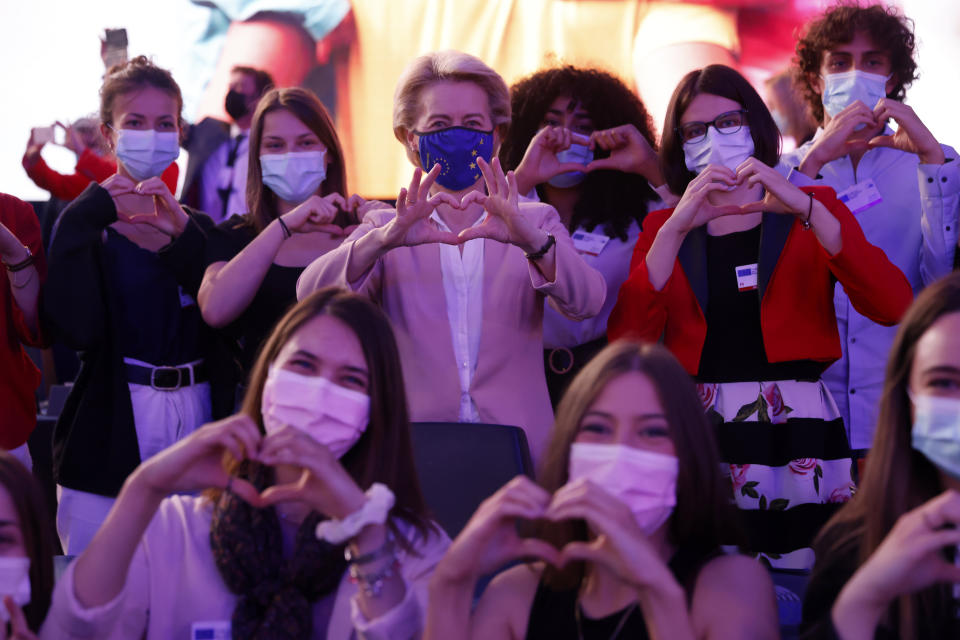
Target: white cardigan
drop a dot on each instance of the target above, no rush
(173, 582)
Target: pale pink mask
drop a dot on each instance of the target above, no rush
(333, 416)
(643, 480)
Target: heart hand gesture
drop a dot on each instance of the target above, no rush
(695, 209)
(540, 162)
(316, 213)
(911, 136)
(629, 151)
(412, 226)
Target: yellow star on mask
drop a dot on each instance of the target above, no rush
(474, 152)
(473, 165)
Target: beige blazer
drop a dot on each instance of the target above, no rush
(508, 386)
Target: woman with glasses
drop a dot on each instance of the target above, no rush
(739, 279)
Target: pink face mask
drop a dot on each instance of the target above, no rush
(333, 416)
(643, 480)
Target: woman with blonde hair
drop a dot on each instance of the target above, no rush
(462, 267)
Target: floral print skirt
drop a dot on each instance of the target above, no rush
(785, 449)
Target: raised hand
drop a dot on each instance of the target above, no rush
(323, 482)
(72, 139)
(195, 463)
(316, 214)
(838, 138)
(490, 539)
(779, 195)
(540, 163)
(412, 226)
(619, 545)
(911, 136)
(34, 147)
(695, 209)
(168, 217)
(504, 223)
(629, 152)
(19, 630)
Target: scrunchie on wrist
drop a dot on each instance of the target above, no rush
(375, 510)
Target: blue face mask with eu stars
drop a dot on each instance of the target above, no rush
(456, 150)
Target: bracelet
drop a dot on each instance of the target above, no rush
(806, 222)
(372, 583)
(286, 229)
(374, 511)
(543, 250)
(384, 550)
(23, 264)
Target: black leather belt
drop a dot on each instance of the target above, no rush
(562, 359)
(167, 378)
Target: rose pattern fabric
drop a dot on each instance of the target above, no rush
(708, 394)
(738, 475)
(777, 409)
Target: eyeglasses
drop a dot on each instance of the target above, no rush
(725, 123)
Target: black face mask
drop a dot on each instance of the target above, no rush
(236, 104)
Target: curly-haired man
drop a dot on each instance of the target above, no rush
(855, 64)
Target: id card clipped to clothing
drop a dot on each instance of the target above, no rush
(746, 277)
(211, 630)
(590, 244)
(860, 196)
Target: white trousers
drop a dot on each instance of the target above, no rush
(161, 418)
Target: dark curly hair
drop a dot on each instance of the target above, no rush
(886, 26)
(610, 198)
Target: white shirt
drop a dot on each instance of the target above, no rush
(916, 226)
(217, 175)
(463, 290)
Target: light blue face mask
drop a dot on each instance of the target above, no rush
(842, 89)
(936, 431)
(579, 153)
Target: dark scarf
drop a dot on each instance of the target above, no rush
(276, 595)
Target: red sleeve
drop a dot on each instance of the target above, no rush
(640, 311)
(19, 217)
(876, 287)
(96, 168)
(61, 186)
(170, 176)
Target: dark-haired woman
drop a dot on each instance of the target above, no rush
(295, 186)
(632, 510)
(739, 279)
(887, 562)
(568, 144)
(26, 551)
(125, 266)
(314, 526)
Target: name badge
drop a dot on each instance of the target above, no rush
(746, 277)
(860, 196)
(590, 244)
(186, 300)
(210, 630)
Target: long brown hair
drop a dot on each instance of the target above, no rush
(897, 477)
(384, 452)
(702, 517)
(36, 530)
(311, 112)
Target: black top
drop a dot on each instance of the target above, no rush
(834, 567)
(553, 613)
(277, 292)
(733, 350)
(158, 322)
(95, 441)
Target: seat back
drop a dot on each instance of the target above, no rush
(462, 464)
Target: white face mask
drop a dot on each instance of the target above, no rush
(146, 153)
(333, 416)
(14, 582)
(575, 153)
(936, 431)
(643, 480)
(729, 150)
(294, 176)
(840, 90)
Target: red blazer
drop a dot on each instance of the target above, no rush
(19, 377)
(795, 281)
(90, 168)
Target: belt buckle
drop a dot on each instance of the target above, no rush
(560, 370)
(164, 369)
